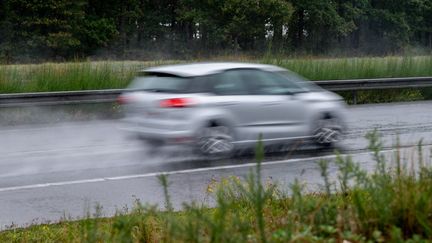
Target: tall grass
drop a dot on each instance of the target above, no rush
(104, 75)
(353, 68)
(68, 76)
(390, 204)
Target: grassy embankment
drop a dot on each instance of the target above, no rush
(392, 204)
(105, 75)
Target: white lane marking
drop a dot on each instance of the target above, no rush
(154, 174)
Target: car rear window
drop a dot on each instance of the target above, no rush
(163, 83)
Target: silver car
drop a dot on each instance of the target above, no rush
(219, 107)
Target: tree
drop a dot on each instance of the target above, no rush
(388, 25)
(115, 22)
(6, 32)
(186, 28)
(317, 24)
(48, 25)
(236, 24)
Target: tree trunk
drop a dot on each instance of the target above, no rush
(430, 40)
(122, 31)
(300, 28)
(277, 36)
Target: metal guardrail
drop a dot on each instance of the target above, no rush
(378, 83)
(110, 95)
(59, 98)
(355, 85)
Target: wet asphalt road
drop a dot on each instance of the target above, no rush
(63, 170)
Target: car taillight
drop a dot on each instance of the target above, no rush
(123, 99)
(176, 103)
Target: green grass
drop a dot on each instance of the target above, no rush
(354, 68)
(66, 76)
(391, 204)
(104, 75)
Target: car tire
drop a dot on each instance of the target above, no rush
(215, 142)
(327, 131)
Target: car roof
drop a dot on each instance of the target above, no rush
(200, 69)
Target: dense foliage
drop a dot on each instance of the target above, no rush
(187, 28)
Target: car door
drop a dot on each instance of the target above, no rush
(231, 100)
(278, 114)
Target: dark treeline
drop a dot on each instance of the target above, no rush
(64, 29)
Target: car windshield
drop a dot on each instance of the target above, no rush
(161, 83)
(305, 84)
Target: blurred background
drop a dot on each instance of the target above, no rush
(36, 31)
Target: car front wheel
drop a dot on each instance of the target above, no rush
(327, 131)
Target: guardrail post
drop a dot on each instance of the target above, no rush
(354, 94)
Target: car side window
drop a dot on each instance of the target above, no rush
(229, 83)
(270, 83)
(264, 83)
(290, 82)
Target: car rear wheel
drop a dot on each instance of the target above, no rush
(327, 132)
(215, 141)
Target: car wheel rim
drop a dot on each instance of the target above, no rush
(328, 131)
(215, 141)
